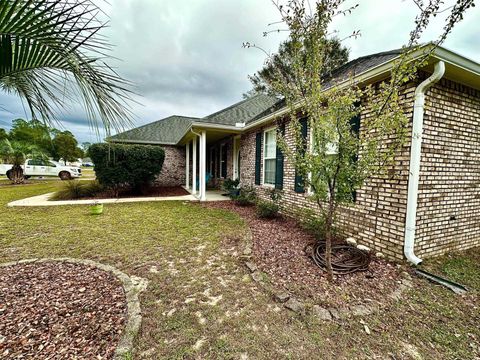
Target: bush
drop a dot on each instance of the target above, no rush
(267, 209)
(134, 166)
(312, 223)
(74, 189)
(229, 184)
(247, 196)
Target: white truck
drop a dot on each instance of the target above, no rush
(37, 167)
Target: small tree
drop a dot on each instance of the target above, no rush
(16, 153)
(65, 147)
(340, 158)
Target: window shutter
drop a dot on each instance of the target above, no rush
(355, 124)
(299, 182)
(279, 163)
(258, 157)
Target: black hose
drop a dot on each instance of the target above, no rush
(346, 259)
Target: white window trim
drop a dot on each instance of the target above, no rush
(274, 128)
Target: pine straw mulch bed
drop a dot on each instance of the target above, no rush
(57, 310)
(279, 251)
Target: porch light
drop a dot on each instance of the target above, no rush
(240, 125)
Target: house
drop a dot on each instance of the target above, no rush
(430, 207)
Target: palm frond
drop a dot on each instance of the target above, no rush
(52, 51)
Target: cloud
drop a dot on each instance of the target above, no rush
(186, 57)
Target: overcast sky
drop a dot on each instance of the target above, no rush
(186, 57)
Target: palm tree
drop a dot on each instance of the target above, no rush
(16, 153)
(52, 51)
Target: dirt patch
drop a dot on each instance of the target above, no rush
(279, 251)
(59, 310)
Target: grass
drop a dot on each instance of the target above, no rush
(200, 303)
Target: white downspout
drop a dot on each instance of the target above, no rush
(415, 156)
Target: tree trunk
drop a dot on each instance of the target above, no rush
(328, 240)
(17, 175)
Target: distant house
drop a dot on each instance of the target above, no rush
(433, 203)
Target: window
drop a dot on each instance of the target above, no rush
(269, 156)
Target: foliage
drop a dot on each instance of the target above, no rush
(246, 196)
(282, 63)
(74, 189)
(52, 52)
(16, 153)
(32, 132)
(268, 209)
(65, 147)
(3, 134)
(311, 222)
(85, 146)
(340, 158)
(230, 184)
(118, 166)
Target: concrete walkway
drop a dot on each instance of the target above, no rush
(43, 200)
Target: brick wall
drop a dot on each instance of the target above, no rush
(376, 219)
(448, 214)
(173, 171)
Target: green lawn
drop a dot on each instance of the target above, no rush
(200, 303)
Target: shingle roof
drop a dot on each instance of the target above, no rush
(243, 111)
(360, 65)
(171, 129)
(165, 131)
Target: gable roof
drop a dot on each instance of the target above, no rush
(166, 131)
(263, 108)
(360, 65)
(243, 111)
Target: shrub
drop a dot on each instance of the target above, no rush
(312, 223)
(134, 166)
(230, 184)
(74, 189)
(247, 196)
(267, 209)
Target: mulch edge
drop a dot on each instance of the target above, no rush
(299, 307)
(132, 286)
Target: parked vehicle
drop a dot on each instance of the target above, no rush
(37, 167)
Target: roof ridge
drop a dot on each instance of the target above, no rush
(233, 105)
(155, 122)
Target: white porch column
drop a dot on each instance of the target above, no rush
(194, 170)
(187, 165)
(203, 165)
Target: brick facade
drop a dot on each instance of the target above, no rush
(449, 193)
(449, 196)
(173, 171)
(448, 215)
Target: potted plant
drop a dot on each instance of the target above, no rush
(96, 208)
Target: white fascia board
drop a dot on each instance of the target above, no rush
(462, 62)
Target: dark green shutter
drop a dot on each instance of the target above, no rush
(299, 182)
(279, 162)
(258, 157)
(355, 124)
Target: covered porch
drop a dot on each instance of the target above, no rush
(212, 155)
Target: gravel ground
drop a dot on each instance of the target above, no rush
(59, 311)
(278, 250)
